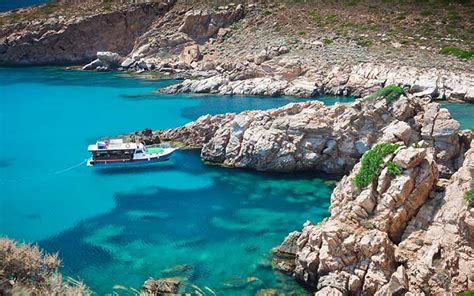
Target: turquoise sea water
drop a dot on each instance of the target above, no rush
(464, 113)
(114, 228)
(214, 227)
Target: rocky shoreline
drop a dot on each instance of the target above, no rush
(399, 221)
(211, 48)
(389, 236)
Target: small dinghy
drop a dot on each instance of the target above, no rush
(116, 152)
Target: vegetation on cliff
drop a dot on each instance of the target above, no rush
(371, 164)
(390, 93)
(469, 195)
(27, 270)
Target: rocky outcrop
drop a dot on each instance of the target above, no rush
(353, 251)
(196, 133)
(77, 39)
(146, 136)
(312, 136)
(358, 81)
(402, 233)
(201, 25)
(160, 287)
(437, 248)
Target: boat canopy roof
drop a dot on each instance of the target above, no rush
(114, 144)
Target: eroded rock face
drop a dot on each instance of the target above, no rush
(359, 80)
(437, 249)
(405, 233)
(311, 136)
(77, 40)
(202, 24)
(353, 251)
(195, 133)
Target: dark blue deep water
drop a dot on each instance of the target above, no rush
(13, 4)
(113, 228)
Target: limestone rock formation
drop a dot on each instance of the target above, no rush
(354, 251)
(311, 136)
(401, 233)
(359, 80)
(437, 248)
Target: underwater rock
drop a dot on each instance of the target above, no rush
(267, 292)
(158, 287)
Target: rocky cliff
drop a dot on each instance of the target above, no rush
(312, 136)
(407, 233)
(70, 37)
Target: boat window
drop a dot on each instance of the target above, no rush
(139, 151)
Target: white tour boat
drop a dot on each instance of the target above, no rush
(116, 152)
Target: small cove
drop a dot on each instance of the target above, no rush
(114, 228)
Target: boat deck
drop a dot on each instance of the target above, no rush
(151, 150)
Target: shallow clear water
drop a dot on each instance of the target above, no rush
(464, 113)
(214, 227)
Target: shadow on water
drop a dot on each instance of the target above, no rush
(5, 163)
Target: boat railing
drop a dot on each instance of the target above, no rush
(160, 145)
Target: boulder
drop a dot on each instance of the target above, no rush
(409, 157)
(161, 286)
(190, 54)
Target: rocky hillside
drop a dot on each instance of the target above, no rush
(274, 48)
(66, 34)
(407, 232)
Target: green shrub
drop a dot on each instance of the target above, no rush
(327, 41)
(426, 13)
(364, 43)
(466, 293)
(393, 170)
(370, 164)
(302, 33)
(457, 52)
(390, 93)
(368, 225)
(469, 195)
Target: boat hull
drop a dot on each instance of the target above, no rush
(131, 162)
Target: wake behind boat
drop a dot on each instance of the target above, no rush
(116, 152)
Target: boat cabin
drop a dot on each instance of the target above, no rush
(115, 149)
